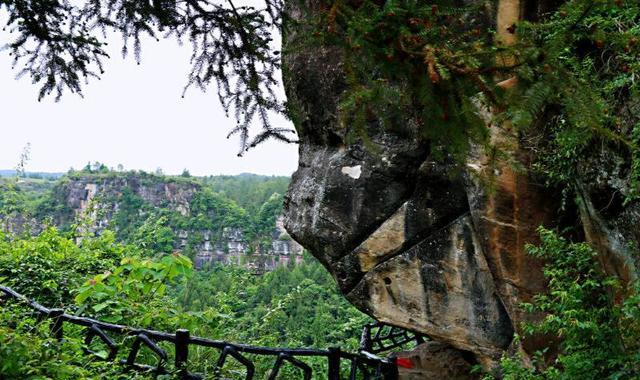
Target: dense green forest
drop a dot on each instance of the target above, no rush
(128, 284)
(127, 274)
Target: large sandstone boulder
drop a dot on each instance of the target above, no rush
(424, 243)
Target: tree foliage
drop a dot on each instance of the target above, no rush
(47, 267)
(574, 69)
(598, 332)
(60, 45)
(290, 307)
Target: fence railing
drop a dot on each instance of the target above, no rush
(380, 337)
(364, 364)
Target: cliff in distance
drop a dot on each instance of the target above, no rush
(224, 219)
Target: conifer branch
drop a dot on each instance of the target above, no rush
(59, 48)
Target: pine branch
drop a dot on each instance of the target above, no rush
(60, 50)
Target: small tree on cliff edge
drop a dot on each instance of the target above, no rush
(25, 156)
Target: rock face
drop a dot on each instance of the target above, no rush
(433, 360)
(441, 286)
(234, 249)
(19, 224)
(96, 201)
(422, 243)
(395, 227)
(99, 198)
(609, 223)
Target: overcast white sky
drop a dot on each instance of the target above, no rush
(134, 116)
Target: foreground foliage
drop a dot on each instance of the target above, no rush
(290, 307)
(60, 46)
(599, 333)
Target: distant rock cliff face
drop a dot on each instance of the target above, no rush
(99, 198)
(19, 224)
(423, 244)
(94, 202)
(234, 249)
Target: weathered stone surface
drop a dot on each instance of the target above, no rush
(614, 236)
(610, 223)
(20, 224)
(391, 225)
(385, 241)
(434, 360)
(441, 287)
(506, 213)
(82, 191)
(426, 244)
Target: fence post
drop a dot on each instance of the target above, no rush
(365, 339)
(182, 352)
(56, 324)
(334, 363)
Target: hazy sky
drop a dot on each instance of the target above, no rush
(134, 116)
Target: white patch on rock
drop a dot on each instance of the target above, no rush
(352, 171)
(474, 167)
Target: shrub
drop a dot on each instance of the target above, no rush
(599, 335)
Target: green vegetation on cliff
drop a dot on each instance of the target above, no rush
(561, 77)
(135, 204)
(598, 329)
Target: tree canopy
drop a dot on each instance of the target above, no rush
(122, 283)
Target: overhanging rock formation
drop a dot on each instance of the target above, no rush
(423, 243)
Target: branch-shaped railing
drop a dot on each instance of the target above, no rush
(364, 363)
(380, 337)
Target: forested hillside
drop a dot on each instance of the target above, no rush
(216, 218)
(121, 246)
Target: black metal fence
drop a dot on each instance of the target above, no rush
(380, 337)
(364, 364)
